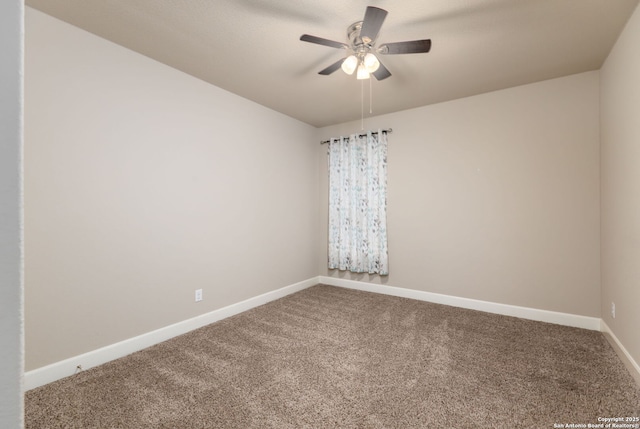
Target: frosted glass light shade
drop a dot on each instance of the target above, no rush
(371, 63)
(362, 72)
(349, 64)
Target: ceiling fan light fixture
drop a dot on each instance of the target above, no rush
(361, 47)
(362, 72)
(371, 63)
(349, 64)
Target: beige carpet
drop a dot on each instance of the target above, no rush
(328, 357)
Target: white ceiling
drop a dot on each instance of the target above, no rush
(252, 47)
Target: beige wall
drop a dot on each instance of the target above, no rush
(143, 184)
(134, 198)
(11, 316)
(620, 205)
(494, 197)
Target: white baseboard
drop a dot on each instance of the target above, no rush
(47, 374)
(622, 352)
(574, 320)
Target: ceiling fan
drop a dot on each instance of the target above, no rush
(361, 38)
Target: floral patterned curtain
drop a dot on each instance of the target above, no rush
(358, 203)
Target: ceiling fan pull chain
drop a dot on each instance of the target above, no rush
(362, 105)
(370, 97)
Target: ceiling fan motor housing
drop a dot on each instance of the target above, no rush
(357, 44)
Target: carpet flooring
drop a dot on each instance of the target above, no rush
(329, 357)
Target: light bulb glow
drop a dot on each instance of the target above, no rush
(371, 63)
(349, 64)
(362, 72)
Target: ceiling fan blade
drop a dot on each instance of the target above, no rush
(382, 72)
(320, 41)
(333, 67)
(412, 47)
(373, 19)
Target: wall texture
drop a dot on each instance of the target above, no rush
(494, 197)
(620, 204)
(11, 315)
(143, 184)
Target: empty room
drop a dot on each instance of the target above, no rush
(278, 214)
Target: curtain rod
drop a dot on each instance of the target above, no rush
(388, 131)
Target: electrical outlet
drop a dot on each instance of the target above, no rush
(198, 295)
(613, 309)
